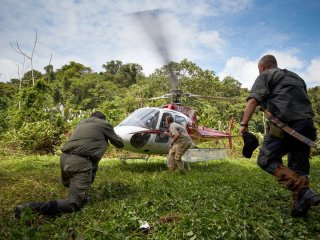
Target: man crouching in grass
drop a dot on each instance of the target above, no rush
(79, 164)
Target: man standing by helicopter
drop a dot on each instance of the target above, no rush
(180, 143)
(284, 94)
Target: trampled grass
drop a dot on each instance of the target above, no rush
(224, 199)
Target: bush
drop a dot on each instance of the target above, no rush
(42, 137)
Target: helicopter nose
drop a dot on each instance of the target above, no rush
(132, 137)
(138, 140)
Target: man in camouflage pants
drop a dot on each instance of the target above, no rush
(180, 143)
(79, 164)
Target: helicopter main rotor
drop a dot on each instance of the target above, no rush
(152, 23)
(177, 94)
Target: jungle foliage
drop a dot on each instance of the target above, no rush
(35, 117)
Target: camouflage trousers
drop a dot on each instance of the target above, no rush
(175, 154)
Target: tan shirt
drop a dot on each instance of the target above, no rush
(184, 136)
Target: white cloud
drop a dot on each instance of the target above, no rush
(308, 70)
(94, 32)
(287, 59)
(8, 69)
(246, 71)
(212, 40)
(312, 74)
(243, 70)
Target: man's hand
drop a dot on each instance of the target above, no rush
(243, 129)
(165, 133)
(251, 105)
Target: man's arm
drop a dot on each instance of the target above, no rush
(114, 139)
(175, 137)
(252, 103)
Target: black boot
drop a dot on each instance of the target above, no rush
(19, 209)
(306, 199)
(44, 208)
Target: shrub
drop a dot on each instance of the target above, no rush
(42, 136)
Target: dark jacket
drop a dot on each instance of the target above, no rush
(90, 139)
(283, 93)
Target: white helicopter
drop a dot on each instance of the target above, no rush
(142, 131)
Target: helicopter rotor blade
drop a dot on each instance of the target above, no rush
(168, 95)
(209, 97)
(152, 24)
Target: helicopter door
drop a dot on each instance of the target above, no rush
(160, 138)
(181, 120)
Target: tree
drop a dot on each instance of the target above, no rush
(231, 87)
(123, 75)
(190, 78)
(72, 70)
(66, 75)
(28, 76)
(7, 94)
(30, 57)
(129, 74)
(314, 95)
(81, 89)
(34, 100)
(15, 81)
(112, 67)
(50, 74)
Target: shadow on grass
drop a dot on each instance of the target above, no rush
(156, 165)
(111, 190)
(138, 166)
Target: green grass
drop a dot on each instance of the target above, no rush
(226, 199)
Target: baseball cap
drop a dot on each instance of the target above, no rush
(250, 143)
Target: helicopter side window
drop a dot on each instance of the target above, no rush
(160, 138)
(181, 120)
(145, 118)
(152, 121)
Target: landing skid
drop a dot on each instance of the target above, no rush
(124, 159)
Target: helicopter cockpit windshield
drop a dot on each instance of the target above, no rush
(145, 118)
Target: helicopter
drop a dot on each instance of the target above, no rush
(142, 131)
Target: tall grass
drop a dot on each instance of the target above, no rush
(224, 199)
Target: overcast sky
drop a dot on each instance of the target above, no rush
(224, 36)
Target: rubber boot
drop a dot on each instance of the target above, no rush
(294, 199)
(19, 209)
(291, 179)
(306, 199)
(44, 208)
(294, 183)
(303, 197)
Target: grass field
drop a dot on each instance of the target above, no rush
(226, 199)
